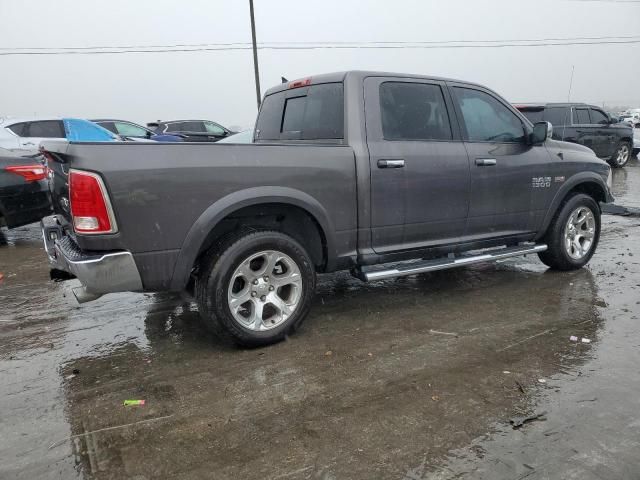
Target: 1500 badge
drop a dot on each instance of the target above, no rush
(541, 182)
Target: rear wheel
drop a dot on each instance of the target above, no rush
(258, 287)
(621, 155)
(573, 235)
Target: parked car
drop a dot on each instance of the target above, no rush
(191, 130)
(24, 191)
(246, 136)
(631, 116)
(587, 125)
(25, 135)
(134, 131)
(382, 168)
(636, 139)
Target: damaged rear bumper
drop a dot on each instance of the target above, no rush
(99, 272)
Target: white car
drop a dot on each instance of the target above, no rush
(23, 135)
(631, 116)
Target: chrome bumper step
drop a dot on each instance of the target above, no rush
(479, 256)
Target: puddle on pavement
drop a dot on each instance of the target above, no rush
(374, 385)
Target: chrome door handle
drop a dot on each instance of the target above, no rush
(28, 143)
(486, 162)
(396, 163)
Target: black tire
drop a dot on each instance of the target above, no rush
(215, 275)
(621, 155)
(557, 256)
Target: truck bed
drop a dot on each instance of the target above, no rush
(160, 191)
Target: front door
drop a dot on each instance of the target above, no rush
(606, 136)
(419, 166)
(586, 133)
(510, 179)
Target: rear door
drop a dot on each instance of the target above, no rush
(38, 131)
(192, 131)
(510, 179)
(606, 137)
(586, 133)
(419, 167)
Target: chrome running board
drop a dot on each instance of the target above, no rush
(445, 263)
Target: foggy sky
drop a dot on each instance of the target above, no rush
(219, 85)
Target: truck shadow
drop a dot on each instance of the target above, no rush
(384, 373)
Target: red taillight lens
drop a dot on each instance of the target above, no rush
(305, 82)
(31, 173)
(90, 206)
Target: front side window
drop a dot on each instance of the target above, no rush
(581, 116)
(46, 129)
(413, 111)
(599, 117)
(557, 115)
(486, 119)
(130, 130)
(214, 128)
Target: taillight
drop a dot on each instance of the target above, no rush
(31, 173)
(90, 207)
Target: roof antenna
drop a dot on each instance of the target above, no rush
(573, 67)
(284, 80)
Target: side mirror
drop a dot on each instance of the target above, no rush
(541, 131)
(613, 120)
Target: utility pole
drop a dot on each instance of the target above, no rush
(255, 53)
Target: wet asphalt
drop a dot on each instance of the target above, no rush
(412, 378)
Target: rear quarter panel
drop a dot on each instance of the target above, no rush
(159, 191)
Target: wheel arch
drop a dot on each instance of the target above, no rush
(589, 183)
(203, 232)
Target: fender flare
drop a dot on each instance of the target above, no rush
(234, 201)
(570, 184)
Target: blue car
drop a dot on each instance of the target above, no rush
(133, 131)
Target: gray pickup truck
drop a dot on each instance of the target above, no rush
(381, 174)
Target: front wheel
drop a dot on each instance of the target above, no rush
(258, 287)
(573, 235)
(621, 155)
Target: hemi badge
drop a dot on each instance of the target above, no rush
(558, 179)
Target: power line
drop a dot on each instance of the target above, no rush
(296, 43)
(320, 47)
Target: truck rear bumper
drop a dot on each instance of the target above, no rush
(99, 272)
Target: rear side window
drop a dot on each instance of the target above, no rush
(19, 129)
(186, 127)
(486, 119)
(413, 111)
(557, 115)
(316, 114)
(581, 116)
(46, 129)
